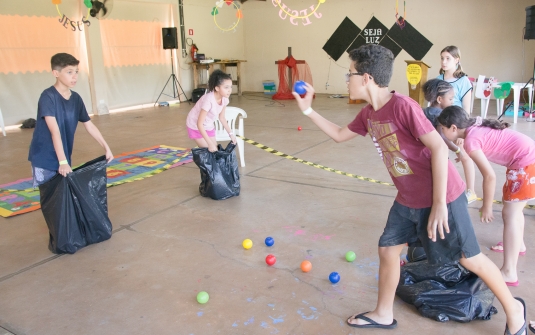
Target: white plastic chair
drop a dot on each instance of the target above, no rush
(232, 114)
(481, 86)
(473, 96)
(2, 125)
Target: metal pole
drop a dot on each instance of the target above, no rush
(175, 89)
(182, 29)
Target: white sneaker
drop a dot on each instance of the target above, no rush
(470, 196)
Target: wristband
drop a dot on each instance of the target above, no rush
(307, 111)
(458, 150)
(63, 162)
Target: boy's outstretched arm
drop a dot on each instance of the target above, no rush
(438, 219)
(337, 133)
(93, 131)
(53, 127)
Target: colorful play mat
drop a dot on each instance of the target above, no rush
(19, 197)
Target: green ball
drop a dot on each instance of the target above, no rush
(350, 256)
(203, 297)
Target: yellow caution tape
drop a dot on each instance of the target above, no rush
(371, 180)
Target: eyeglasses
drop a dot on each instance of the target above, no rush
(348, 75)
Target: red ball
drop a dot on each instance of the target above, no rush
(270, 260)
(299, 128)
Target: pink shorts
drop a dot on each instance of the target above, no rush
(195, 134)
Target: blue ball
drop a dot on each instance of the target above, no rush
(334, 277)
(269, 241)
(299, 87)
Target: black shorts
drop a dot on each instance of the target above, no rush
(409, 225)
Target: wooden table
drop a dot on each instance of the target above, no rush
(223, 64)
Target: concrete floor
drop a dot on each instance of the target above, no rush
(169, 243)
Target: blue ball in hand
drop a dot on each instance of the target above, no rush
(299, 87)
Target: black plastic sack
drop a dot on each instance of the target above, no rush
(445, 292)
(220, 178)
(76, 207)
(416, 254)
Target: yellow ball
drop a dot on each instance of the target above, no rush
(247, 244)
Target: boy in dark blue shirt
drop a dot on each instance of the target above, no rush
(59, 110)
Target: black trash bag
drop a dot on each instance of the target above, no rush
(28, 123)
(445, 292)
(76, 207)
(220, 178)
(416, 254)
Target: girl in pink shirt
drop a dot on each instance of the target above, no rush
(211, 106)
(488, 141)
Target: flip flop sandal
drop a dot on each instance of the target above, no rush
(372, 324)
(522, 330)
(500, 244)
(512, 283)
(532, 329)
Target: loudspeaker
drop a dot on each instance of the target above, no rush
(197, 94)
(169, 38)
(530, 23)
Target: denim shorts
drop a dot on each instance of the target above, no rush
(41, 176)
(409, 225)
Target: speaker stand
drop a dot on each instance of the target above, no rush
(532, 81)
(175, 83)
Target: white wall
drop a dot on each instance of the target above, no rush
(211, 41)
(489, 34)
(21, 87)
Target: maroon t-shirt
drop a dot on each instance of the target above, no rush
(395, 129)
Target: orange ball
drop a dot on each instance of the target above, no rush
(306, 266)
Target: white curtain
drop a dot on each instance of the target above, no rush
(30, 36)
(135, 63)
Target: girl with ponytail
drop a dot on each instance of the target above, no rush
(485, 141)
(452, 72)
(440, 95)
(211, 106)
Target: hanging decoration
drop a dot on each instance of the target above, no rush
(293, 14)
(400, 20)
(239, 14)
(73, 24)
